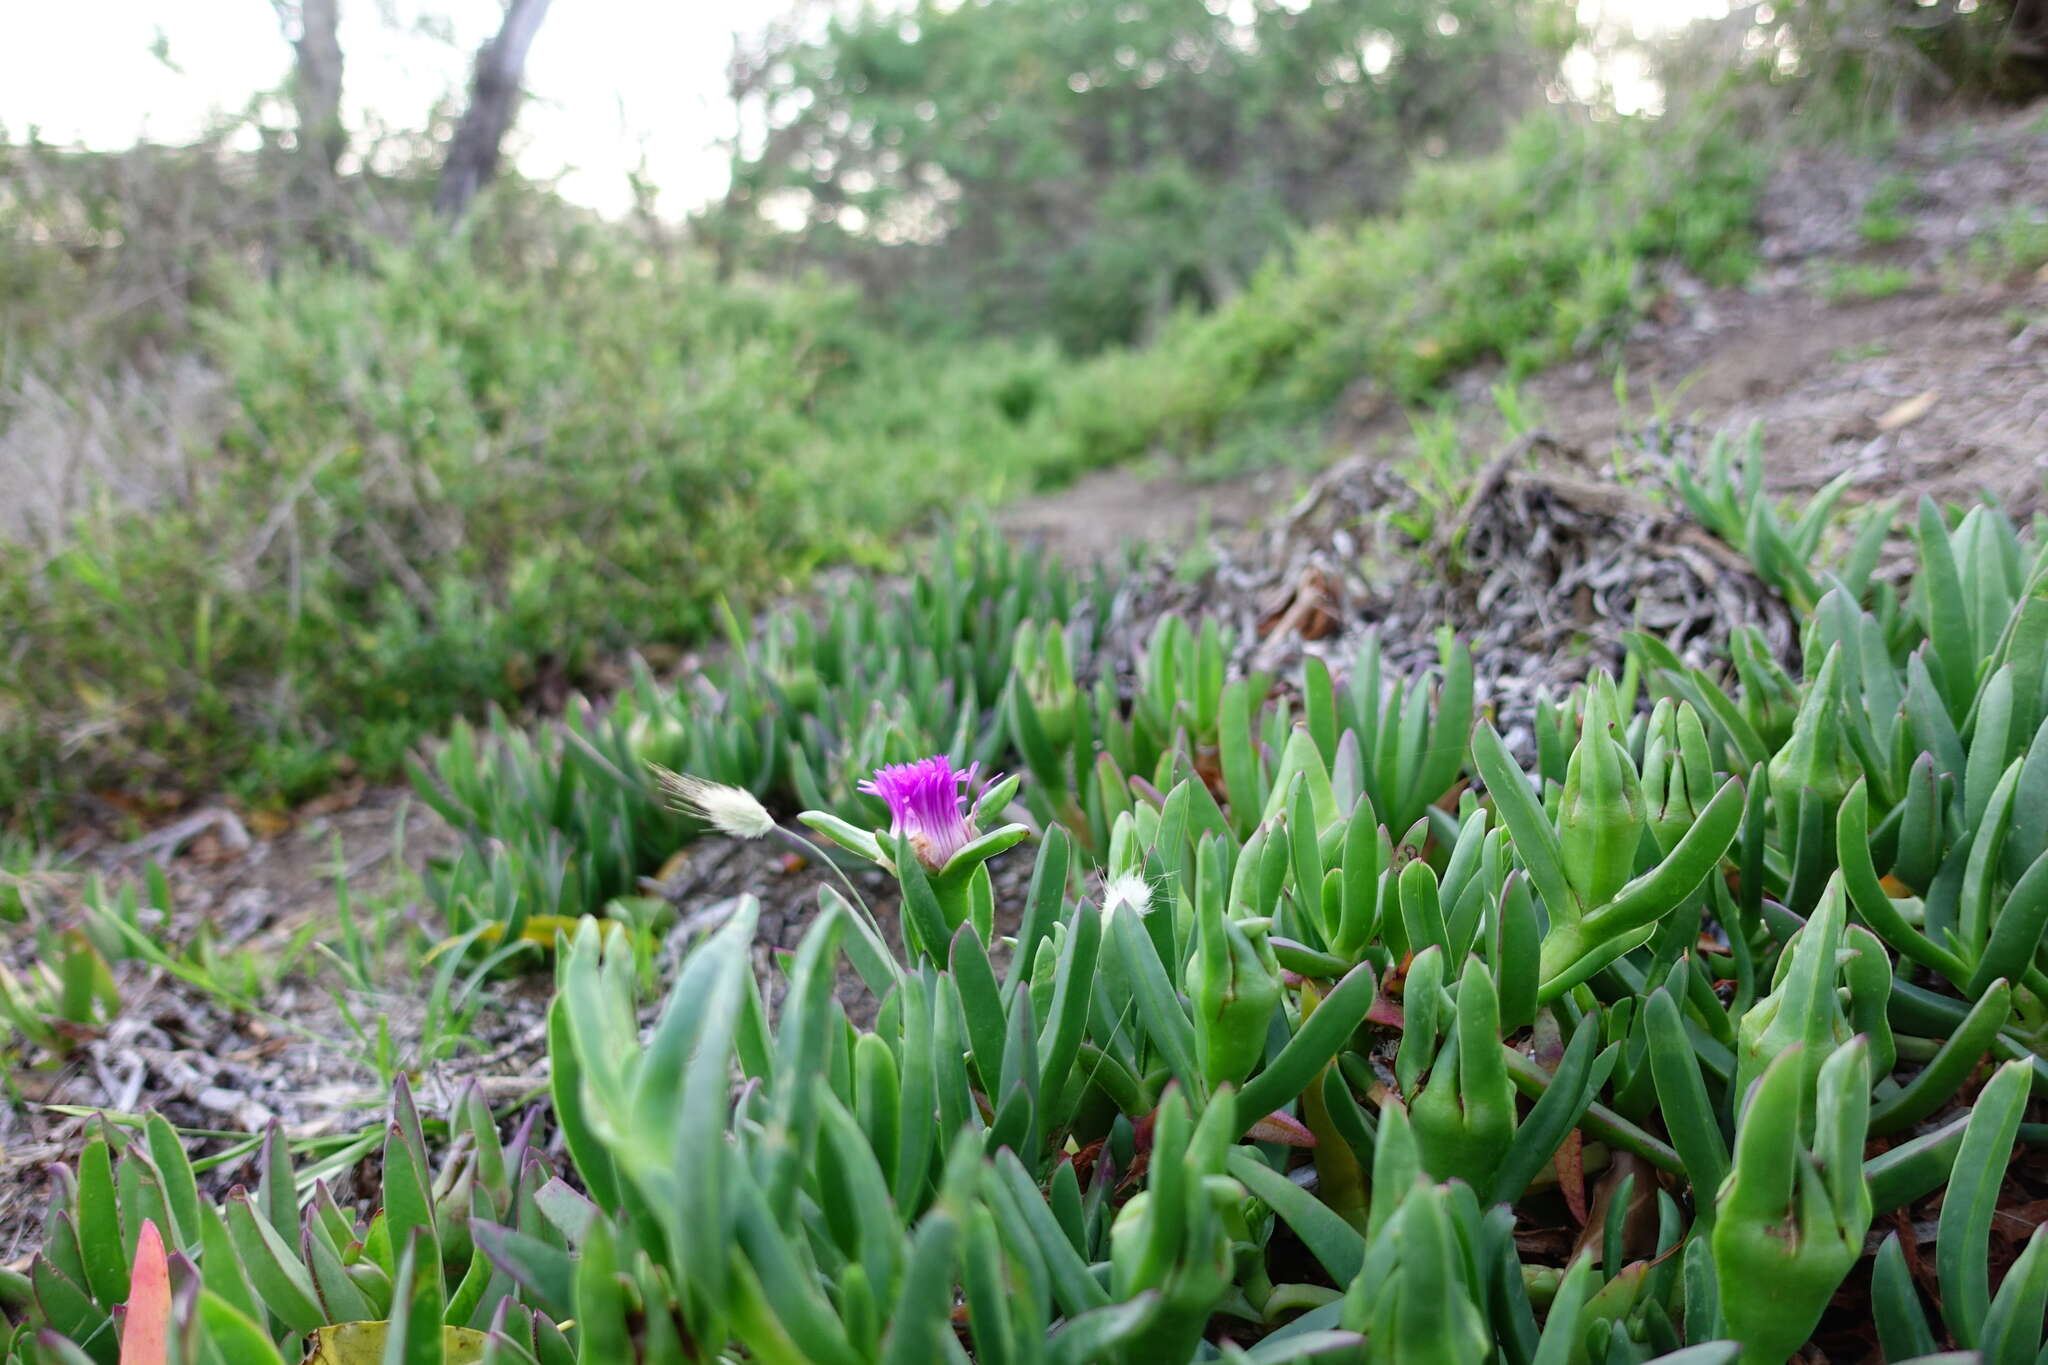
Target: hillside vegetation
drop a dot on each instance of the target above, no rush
(443, 473)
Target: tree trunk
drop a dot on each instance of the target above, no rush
(493, 101)
(311, 27)
(316, 89)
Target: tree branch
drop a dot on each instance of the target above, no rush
(493, 103)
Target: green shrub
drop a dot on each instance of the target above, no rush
(1859, 281)
(453, 476)
(1884, 219)
(2016, 244)
(1542, 250)
(1038, 168)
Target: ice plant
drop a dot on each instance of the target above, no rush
(1790, 1219)
(1171, 1081)
(1233, 981)
(931, 821)
(925, 801)
(1582, 858)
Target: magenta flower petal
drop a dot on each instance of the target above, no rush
(927, 805)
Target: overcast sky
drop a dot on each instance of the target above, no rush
(613, 81)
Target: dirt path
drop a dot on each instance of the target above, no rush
(1938, 386)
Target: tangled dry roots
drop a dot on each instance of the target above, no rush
(1543, 568)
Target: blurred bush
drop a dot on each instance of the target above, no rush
(444, 473)
(1836, 68)
(1897, 57)
(1078, 171)
(332, 495)
(1542, 249)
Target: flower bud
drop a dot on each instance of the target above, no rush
(1804, 1008)
(801, 687)
(1791, 1217)
(1817, 757)
(1464, 1119)
(1039, 658)
(1235, 988)
(1678, 777)
(655, 737)
(1600, 817)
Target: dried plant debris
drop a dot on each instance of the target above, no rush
(1544, 565)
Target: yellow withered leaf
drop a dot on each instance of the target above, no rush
(540, 930)
(1908, 412)
(362, 1343)
(268, 824)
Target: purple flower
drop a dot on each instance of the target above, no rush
(926, 802)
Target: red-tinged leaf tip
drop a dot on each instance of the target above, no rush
(1283, 1128)
(1385, 1012)
(146, 1325)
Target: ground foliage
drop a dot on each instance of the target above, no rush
(1324, 1030)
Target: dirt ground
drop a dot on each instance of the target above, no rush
(1940, 387)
